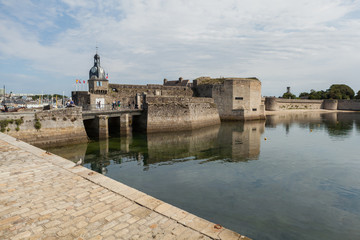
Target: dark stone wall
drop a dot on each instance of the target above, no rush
(164, 114)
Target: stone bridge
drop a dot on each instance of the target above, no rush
(98, 122)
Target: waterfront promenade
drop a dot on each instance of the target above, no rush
(44, 196)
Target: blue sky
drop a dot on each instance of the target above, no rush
(309, 44)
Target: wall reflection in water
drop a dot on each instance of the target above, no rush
(337, 124)
(230, 141)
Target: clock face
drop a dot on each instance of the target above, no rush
(93, 69)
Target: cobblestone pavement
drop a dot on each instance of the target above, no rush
(43, 196)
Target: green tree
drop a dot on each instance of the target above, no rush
(317, 94)
(304, 95)
(288, 95)
(340, 91)
(358, 95)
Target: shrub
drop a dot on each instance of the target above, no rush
(37, 124)
(19, 121)
(4, 124)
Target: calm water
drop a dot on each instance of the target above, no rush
(302, 182)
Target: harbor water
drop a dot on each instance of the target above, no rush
(293, 176)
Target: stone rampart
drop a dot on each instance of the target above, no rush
(46, 128)
(353, 105)
(150, 89)
(127, 94)
(330, 104)
(279, 104)
(164, 114)
(236, 98)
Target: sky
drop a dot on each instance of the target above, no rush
(46, 45)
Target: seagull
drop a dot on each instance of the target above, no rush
(80, 162)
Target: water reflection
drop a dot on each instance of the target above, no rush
(71, 152)
(163, 147)
(230, 141)
(299, 184)
(337, 124)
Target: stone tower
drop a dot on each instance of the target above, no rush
(98, 84)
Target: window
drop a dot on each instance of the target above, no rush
(254, 109)
(239, 98)
(99, 83)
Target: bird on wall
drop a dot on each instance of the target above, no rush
(80, 162)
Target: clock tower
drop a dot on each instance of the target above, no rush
(98, 84)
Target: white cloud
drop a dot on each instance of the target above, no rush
(304, 44)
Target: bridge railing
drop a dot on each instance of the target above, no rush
(108, 107)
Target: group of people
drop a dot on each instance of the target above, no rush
(117, 105)
(70, 103)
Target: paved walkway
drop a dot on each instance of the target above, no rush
(43, 196)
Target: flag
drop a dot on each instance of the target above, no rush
(107, 76)
(84, 81)
(80, 81)
(77, 80)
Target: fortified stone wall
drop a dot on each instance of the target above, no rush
(126, 94)
(330, 104)
(279, 104)
(150, 89)
(164, 114)
(236, 98)
(47, 127)
(349, 105)
(81, 98)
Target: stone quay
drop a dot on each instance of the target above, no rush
(44, 196)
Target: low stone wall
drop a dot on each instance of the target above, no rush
(47, 127)
(279, 104)
(353, 105)
(165, 114)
